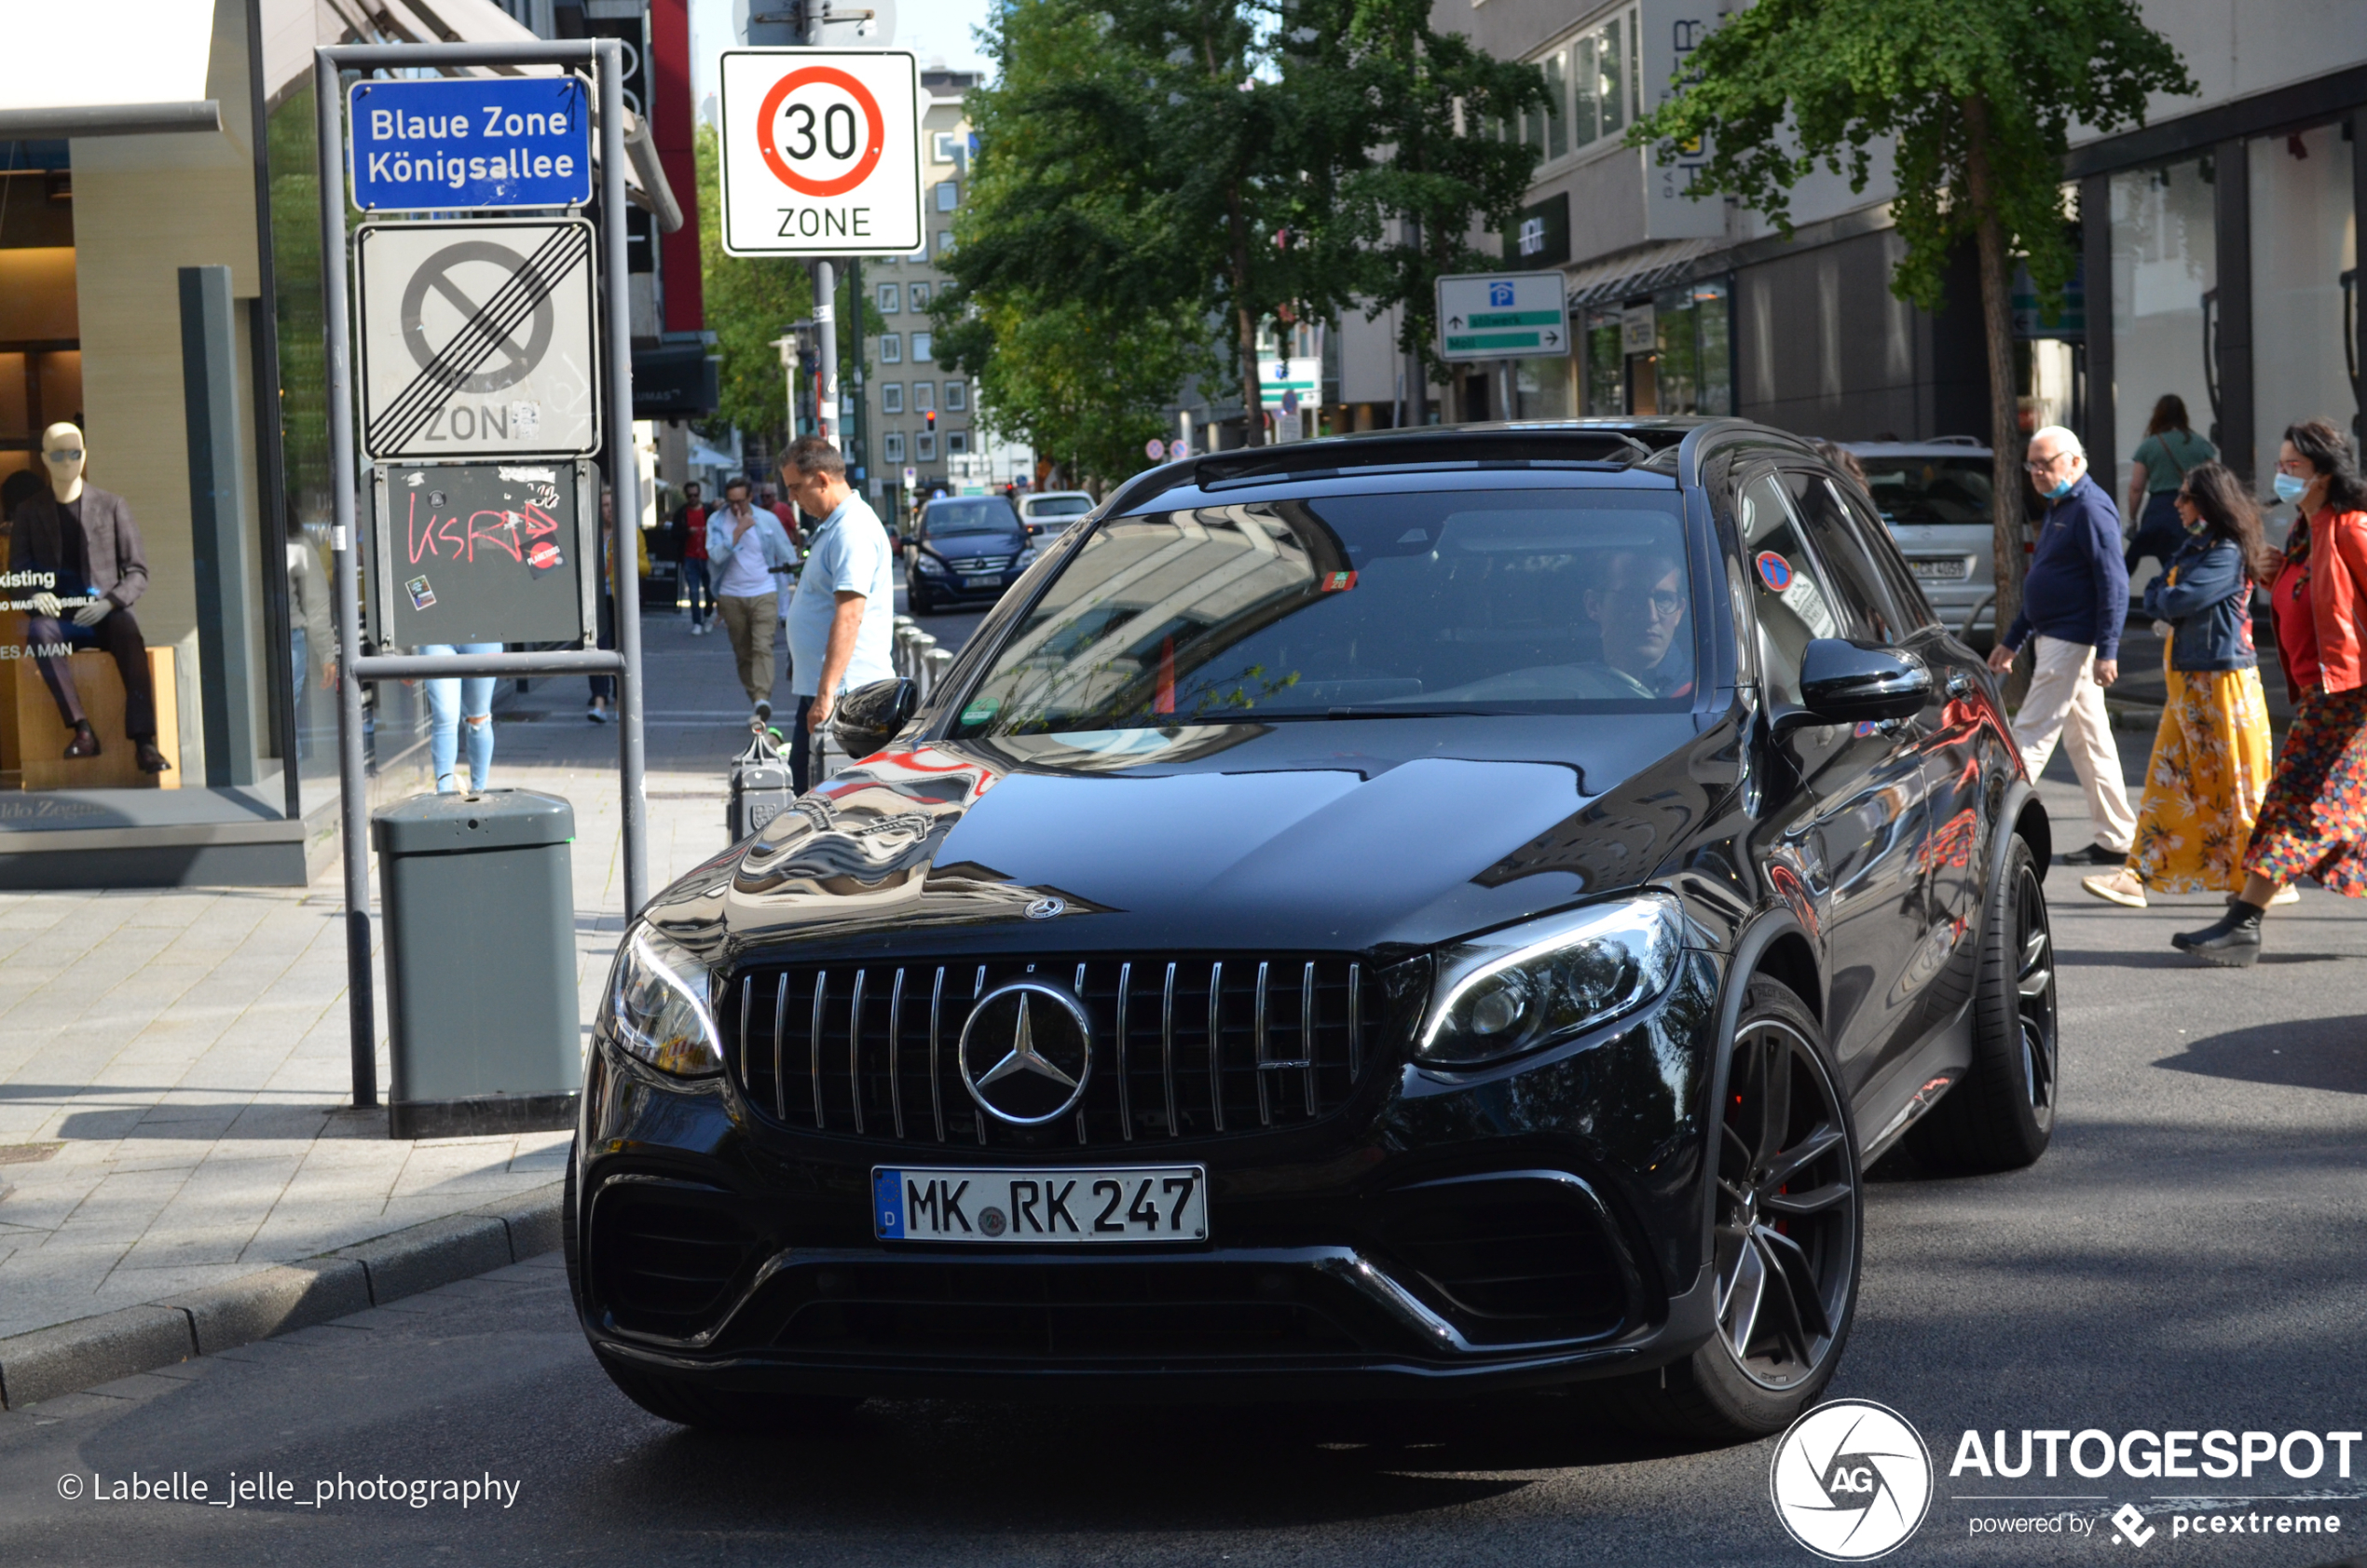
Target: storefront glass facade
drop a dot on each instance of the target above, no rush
(2164, 294)
(2305, 244)
(1670, 353)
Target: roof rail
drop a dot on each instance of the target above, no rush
(1445, 446)
(1702, 440)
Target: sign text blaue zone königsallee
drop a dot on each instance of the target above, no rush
(446, 145)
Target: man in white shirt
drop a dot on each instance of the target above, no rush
(744, 544)
(845, 604)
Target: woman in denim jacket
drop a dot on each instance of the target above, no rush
(2212, 759)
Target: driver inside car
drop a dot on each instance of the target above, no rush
(1639, 608)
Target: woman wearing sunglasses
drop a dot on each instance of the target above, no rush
(2313, 821)
(2210, 762)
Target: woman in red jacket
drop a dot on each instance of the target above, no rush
(2314, 823)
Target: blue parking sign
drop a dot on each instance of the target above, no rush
(446, 145)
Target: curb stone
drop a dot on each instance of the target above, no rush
(68, 1357)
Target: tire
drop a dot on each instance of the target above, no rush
(688, 1402)
(919, 603)
(1788, 1202)
(2001, 1114)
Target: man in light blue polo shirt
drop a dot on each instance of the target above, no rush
(845, 604)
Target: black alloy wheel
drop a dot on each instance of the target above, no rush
(1788, 1202)
(1788, 1207)
(2002, 1114)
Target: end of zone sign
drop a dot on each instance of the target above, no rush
(441, 146)
(821, 152)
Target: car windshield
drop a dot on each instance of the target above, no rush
(1917, 491)
(1527, 601)
(1060, 506)
(977, 514)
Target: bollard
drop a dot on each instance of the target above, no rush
(939, 660)
(923, 647)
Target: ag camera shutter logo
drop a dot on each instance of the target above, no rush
(1851, 1481)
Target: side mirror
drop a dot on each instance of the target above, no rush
(868, 716)
(1845, 682)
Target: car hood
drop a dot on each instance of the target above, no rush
(1338, 836)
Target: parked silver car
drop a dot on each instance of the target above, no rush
(1935, 495)
(1047, 513)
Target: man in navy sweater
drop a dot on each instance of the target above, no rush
(2075, 602)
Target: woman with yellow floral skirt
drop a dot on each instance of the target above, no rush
(2211, 759)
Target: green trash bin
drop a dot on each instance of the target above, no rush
(480, 960)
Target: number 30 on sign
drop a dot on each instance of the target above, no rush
(821, 153)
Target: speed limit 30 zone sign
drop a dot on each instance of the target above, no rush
(821, 153)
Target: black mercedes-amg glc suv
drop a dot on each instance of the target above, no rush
(1432, 911)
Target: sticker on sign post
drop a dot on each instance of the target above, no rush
(821, 152)
(477, 340)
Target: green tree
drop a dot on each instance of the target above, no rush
(1389, 115)
(750, 302)
(1975, 99)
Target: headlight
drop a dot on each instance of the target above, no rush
(1526, 987)
(1026, 557)
(929, 564)
(658, 1006)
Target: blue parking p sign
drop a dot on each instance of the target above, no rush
(447, 145)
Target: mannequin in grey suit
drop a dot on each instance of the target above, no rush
(83, 539)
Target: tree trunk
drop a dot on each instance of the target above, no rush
(1253, 402)
(2004, 414)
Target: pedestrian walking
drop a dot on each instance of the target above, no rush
(2075, 602)
(845, 604)
(2211, 754)
(2313, 821)
(744, 544)
(689, 533)
(458, 703)
(2169, 453)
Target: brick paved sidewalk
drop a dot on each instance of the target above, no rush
(174, 1065)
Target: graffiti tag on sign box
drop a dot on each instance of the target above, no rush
(441, 147)
(475, 553)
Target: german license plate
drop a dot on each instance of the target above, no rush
(1114, 1204)
(1950, 570)
(991, 580)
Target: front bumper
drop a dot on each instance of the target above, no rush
(1539, 1223)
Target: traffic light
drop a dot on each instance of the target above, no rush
(931, 420)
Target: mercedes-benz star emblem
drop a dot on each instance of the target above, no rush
(1045, 909)
(1027, 1053)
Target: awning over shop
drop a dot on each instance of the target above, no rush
(121, 68)
(1640, 272)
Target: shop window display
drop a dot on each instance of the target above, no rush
(2164, 294)
(2304, 239)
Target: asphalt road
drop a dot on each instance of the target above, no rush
(2186, 1257)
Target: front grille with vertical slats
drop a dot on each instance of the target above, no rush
(1183, 1048)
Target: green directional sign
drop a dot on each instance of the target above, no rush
(1503, 315)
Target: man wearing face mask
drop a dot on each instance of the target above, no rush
(82, 540)
(2075, 602)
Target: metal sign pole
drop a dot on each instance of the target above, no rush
(624, 468)
(352, 786)
(355, 667)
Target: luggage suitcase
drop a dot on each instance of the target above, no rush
(761, 787)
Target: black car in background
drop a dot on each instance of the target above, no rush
(1424, 912)
(965, 547)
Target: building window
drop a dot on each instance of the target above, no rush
(921, 347)
(890, 299)
(957, 443)
(927, 447)
(1671, 354)
(924, 396)
(957, 396)
(949, 195)
(892, 397)
(2305, 255)
(945, 242)
(920, 297)
(891, 448)
(1594, 88)
(891, 349)
(2164, 288)
(941, 145)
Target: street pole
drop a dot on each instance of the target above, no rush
(857, 414)
(361, 1022)
(826, 334)
(624, 481)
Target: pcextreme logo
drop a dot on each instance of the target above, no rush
(1850, 1480)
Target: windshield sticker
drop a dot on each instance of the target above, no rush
(423, 596)
(981, 710)
(1335, 583)
(1774, 571)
